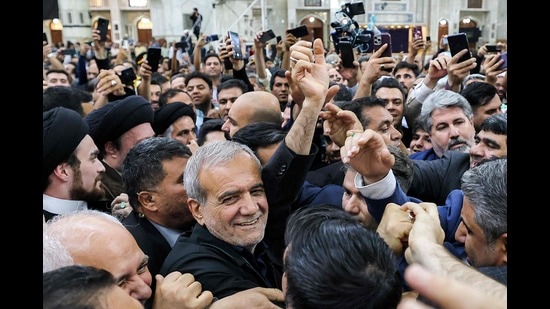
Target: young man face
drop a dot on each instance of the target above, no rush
(86, 177)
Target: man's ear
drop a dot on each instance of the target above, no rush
(196, 210)
(111, 149)
(147, 200)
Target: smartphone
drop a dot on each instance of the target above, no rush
(346, 53)
(279, 38)
(381, 39)
(458, 42)
(127, 76)
(428, 39)
(493, 48)
(378, 41)
(417, 32)
(153, 58)
(103, 27)
(267, 35)
(44, 38)
(212, 37)
(299, 32)
(236, 42)
(504, 56)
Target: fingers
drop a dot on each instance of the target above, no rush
(272, 294)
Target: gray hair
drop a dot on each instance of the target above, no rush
(216, 153)
(54, 254)
(486, 187)
(75, 230)
(441, 99)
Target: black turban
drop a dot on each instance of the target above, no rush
(110, 121)
(63, 129)
(167, 114)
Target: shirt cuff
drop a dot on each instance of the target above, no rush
(422, 92)
(381, 189)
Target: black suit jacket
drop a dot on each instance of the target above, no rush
(219, 266)
(433, 180)
(151, 241)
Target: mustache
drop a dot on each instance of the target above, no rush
(458, 140)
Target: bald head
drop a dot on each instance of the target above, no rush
(94, 238)
(252, 107)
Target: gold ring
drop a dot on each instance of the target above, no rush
(113, 82)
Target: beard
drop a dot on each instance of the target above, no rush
(79, 193)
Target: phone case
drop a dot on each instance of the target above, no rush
(458, 42)
(103, 27)
(153, 58)
(504, 56)
(299, 31)
(236, 42)
(381, 39)
(267, 35)
(346, 53)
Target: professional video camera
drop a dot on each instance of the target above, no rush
(347, 29)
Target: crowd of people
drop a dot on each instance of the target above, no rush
(286, 181)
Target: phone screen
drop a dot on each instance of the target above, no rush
(127, 76)
(153, 58)
(458, 42)
(417, 32)
(236, 42)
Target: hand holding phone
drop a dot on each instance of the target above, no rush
(458, 42)
(236, 42)
(153, 58)
(378, 41)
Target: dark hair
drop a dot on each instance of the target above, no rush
(259, 134)
(497, 123)
(479, 94)
(168, 94)
(69, 97)
(278, 73)
(76, 287)
(343, 94)
(198, 74)
(142, 168)
(405, 64)
(210, 125)
(209, 55)
(360, 105)
(158, 79)
(233, 83)
(389, 82)
(333, 261)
